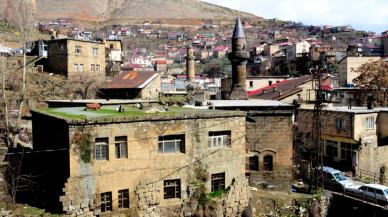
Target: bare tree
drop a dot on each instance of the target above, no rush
(16, 180)
(84, 86)
(25, 25)
(4, 96)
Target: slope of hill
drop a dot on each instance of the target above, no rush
(98, 10)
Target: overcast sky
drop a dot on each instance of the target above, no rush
(361, 14)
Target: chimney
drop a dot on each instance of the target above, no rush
(190, 65)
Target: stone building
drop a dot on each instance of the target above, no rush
(269, 137)
(77, 58)
(111, 162)
(352, 136)
(132, 85)
(114, 56)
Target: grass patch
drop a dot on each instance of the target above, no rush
(53, 111)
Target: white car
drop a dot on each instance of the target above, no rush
(371, 192)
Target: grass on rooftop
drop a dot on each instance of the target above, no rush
(109, 112)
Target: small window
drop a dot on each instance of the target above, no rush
(268, 163)
(340, 123)
(97, 68)
(171, 144)
(95, 51)
(81, 67)
(62, 49)
(218, 182)
(102, 149)
(121, 144)
(123, 198)
(251, 84)
(370, 123)
(172, 189)
(78, 50)
(269, 82)
(75, 67)
(106, 202)
(219, 139)
(92, 67)
(111, 46)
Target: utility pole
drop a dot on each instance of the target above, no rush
(316, 143)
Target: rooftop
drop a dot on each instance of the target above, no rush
(130, 80)
(247, 103)
(355, 110)
(109, 114)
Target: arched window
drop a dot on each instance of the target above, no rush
(268, 163)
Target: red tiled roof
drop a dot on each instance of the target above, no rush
(131, 80)
(285, 87)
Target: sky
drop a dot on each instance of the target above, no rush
(368, 15)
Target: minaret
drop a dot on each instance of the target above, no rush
(239, 57)
(190, 66)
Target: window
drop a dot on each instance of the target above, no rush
(254, 163)
(331, 148)
(121, 144)
(218, 182)
(106, 202)
(268, 163)
(102, 149)
(62, 49)
(340, 123)
(124, 198)
(171, 144)
(219, 139)
(269, 82)
(92, 68)
(97, 68)
(370, 123)
(75, 67)
(78, 50)
(251, 84)
(95, 51)
(111, 46)
(81, 67)
(172, 189)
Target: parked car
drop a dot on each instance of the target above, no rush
(335, 180)
(371, 192)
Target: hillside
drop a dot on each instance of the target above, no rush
(98, 10)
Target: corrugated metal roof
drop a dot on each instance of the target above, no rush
(131, 80)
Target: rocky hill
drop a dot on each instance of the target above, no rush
(99, 10)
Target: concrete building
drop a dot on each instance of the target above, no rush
(288, 91)
(352, 136)
(251, 83)
(77, 58)
(114, 56)
(132, 85)
(111, 161)
(346, 66)
(385, 44)
(297, 49)
(238, 57)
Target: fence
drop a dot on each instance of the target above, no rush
(372, 177)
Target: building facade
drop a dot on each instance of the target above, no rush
(346, 67)
(352, 137)
(144, 162)
(77, 58)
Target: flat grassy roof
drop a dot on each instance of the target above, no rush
(111, 114)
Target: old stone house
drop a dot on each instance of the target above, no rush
(269, 137)
(110, 162)
(77, 59)
(351, 136)
(132, 85)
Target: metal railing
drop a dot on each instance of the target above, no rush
(371, 177)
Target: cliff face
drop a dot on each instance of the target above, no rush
(97, 10)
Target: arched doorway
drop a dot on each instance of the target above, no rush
(268, 163)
